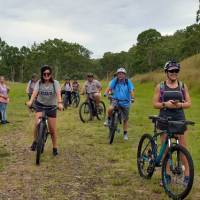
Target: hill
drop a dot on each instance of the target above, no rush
(190, 73)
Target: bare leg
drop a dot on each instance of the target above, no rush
(52, 129)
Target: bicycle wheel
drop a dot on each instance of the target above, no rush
(145, 156)
(113, 126)
(101, 112)
(85, 112)
(75, 100)
(65, 101)
(177, 172)
(40, 141)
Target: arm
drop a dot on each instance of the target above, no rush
(27, 88)
(187, 103)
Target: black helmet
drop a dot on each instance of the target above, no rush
(172, 64)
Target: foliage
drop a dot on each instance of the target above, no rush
(150, 53)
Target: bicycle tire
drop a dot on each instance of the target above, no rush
(187, 189)
(75, 100)
(101, 111)
(40, 141)
(142, 157)
(85, 108)
(113, 126)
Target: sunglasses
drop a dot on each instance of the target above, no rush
(46, 74)
(173, 71)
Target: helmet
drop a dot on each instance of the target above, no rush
(121, 70)
(172, 64)
(90, 74)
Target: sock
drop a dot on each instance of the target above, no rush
(125, 132)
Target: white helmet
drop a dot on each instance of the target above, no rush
(121, 70)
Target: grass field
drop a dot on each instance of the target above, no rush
(87, 166)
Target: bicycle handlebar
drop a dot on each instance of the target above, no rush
(169, 120)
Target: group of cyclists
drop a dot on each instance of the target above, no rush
(171, 97)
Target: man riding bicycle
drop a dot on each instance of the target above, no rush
(92, 88)
(122, 90)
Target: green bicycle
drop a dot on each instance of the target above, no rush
(175, 160)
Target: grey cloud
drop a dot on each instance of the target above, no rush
(106, 25)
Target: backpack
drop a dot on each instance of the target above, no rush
(162, 89)
(116, 82)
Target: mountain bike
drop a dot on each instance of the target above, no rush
(175, 160)
(66, 100)
(88, 110)
(75, 98)
(42, 131)
(115, 119)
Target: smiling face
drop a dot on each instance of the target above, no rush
(172, 74)
(121, 75)
(46, 75)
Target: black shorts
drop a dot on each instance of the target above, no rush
(48, 109)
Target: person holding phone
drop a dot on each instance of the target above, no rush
(172, 97)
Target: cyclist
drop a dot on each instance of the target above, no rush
(75, 86)
(47, 94)
(121, 89)
(92, 88)
(3, 100)
(171, 97)
(67, 88)
(31, 85)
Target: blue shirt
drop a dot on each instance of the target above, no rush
(122, 91)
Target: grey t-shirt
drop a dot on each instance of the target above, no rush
(47, 93)
(92, 87)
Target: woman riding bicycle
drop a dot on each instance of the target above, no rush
(171, 97)
(47, 95)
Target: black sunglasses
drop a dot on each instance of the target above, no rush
(173, 71)
(46, 74)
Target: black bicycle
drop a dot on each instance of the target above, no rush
(115, 119)
(66, 99)
(75, 98)
(88, 110)
(42, 131)
(175, 160)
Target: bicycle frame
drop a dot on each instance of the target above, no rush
(166, 144)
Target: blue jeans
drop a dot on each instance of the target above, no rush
(3, 111)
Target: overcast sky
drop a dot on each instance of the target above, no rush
(99, 25)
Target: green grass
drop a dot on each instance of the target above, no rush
(87, 167)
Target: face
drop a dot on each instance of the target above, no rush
(2, 79)
(172, 74)
(46, 75)
(90, 78)
(121, 76)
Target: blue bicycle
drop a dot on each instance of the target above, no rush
(175, 160)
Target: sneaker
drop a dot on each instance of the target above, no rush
(125, 136)
(33, 146)
(3, 122)
(167, 179)
(55, 151)
(186, 181)
(107, 123)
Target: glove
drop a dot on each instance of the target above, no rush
(132, 100)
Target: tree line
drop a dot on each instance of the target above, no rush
(150, 52)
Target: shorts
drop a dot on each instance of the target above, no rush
(123, 110)
(52, 113)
